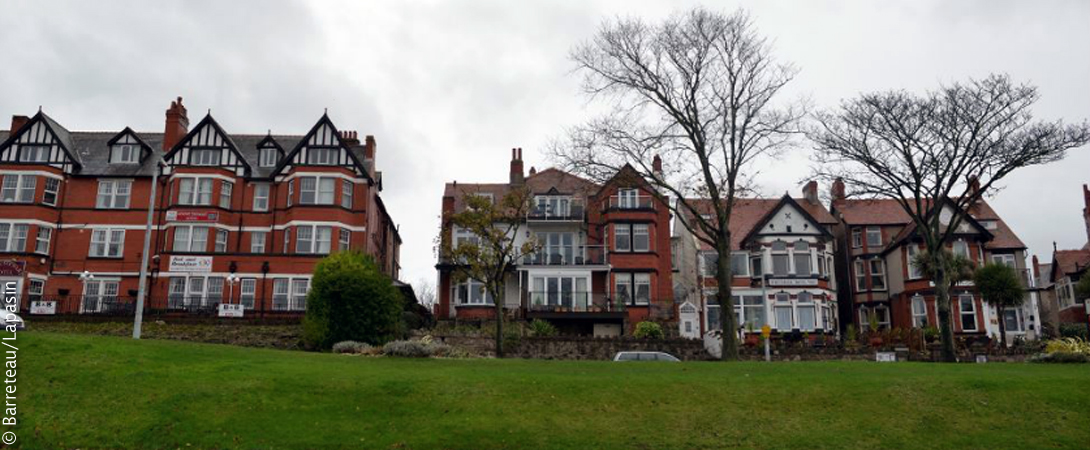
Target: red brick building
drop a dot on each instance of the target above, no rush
(878, 280)
(1067, 268)
(604, 262)
(782, 266)
(238, 218)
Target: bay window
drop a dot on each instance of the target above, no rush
(18, 188)
(641, 238)
(49, 194)
(261, 197)
(622, 239)
(13, 237)
(316, 190)
(221, 242)
(195, 191)
(784, 316)
(189, 238)
(226, 189)
(806, 311)
(642, 283)
(739, 264)
(257, 241)
(472, 292)
(344, 240)
(622, 287)
(313, 239)
(41, 241)
(802, 258)
(967, 312)
(346, 193)
(781, 265)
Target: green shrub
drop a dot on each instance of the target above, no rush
(351, 300)
(406, 349)
(648, 330)
(851, 335)
(351, 347)
(542, 328)
(1074, 330)
(1068, 345)
(1062, 358)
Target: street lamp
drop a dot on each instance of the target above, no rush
(139, 319)
(231, 280)
(84, 277)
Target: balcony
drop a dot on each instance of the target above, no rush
(573, 302)
(629, 202)
(557, 209)
(582, 255)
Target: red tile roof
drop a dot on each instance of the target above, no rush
(1071, 261)
(748, 212)
(890, 212)
(538, 183)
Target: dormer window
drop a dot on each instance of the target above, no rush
(125, 154)
(268, 157)
(33, 153)
(322, 156)
(204, 157)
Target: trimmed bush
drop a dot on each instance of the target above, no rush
(351, 347)
(351, 300)
(648, 330)
(1074, 330)
(406, 349)
(542, 328)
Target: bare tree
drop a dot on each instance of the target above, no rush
(697, 90)
(494, 250)
(941, 151)
(425, 293)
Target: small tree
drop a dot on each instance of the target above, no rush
(937, 155)
(495, 251)
(350, 299)
(1001, 288)
(1082, 289)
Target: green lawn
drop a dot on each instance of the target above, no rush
(79, 391)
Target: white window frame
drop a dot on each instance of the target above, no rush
(261, 197)
(346, 193)
(247, 292)
(962, 312)
(227, 188)
(619, 237)
(113, 194)
(268, 156)
(857, 237)
(322, 191)
(628, 198)
(322, 156)
(40, 153)
(911, 251)
(41, 240)
(199, 192)
(919, 312)
(13, 237)
(124, 154)
(464, 293)
(860, 275)
(257, 241)
(109, 239)
(797, 254)
(291, 191)
(344, 240)
(100, 291)
(637, 230)
(221, 241)
(877, 232)
(955, 246)
(189, 240)
(51, 191)
(18, 188)
(313, 239)
(641, 288)
(205, 156)
(877, 274)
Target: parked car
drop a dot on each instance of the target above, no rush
(645, 356)
(14, 318)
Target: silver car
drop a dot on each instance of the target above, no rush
(6, 317)
(645, 356)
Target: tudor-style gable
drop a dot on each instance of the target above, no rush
(127, 148)
(40, 141)
(269, 152)
(207, 145)
(322, 146)
(785, 219)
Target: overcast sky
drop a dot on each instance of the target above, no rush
(447, 88)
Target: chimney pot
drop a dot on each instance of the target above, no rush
(838, 190)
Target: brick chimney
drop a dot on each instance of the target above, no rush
(838, 191)
(370, 149)
(1036, 268)
(656, 166)
(17, 122)
(974, 185)
(177, 125)
(517, 176)
(810, 193)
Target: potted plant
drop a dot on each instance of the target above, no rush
(875, 337)
(752, 337)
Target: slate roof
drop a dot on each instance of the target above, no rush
(538, 183)
(92, 151)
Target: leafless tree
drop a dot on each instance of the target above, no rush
(425, 293)
(697, 90)
(941, 151)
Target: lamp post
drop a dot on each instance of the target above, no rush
(84, 277)
(231, 280)
(139, 319)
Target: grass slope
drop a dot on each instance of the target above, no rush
(93, 392)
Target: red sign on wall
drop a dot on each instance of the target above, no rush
(12, 268)
(192, 216)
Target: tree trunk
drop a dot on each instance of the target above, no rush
(1002, 328)
(942, 302)
(497, 299)
(727, 317)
